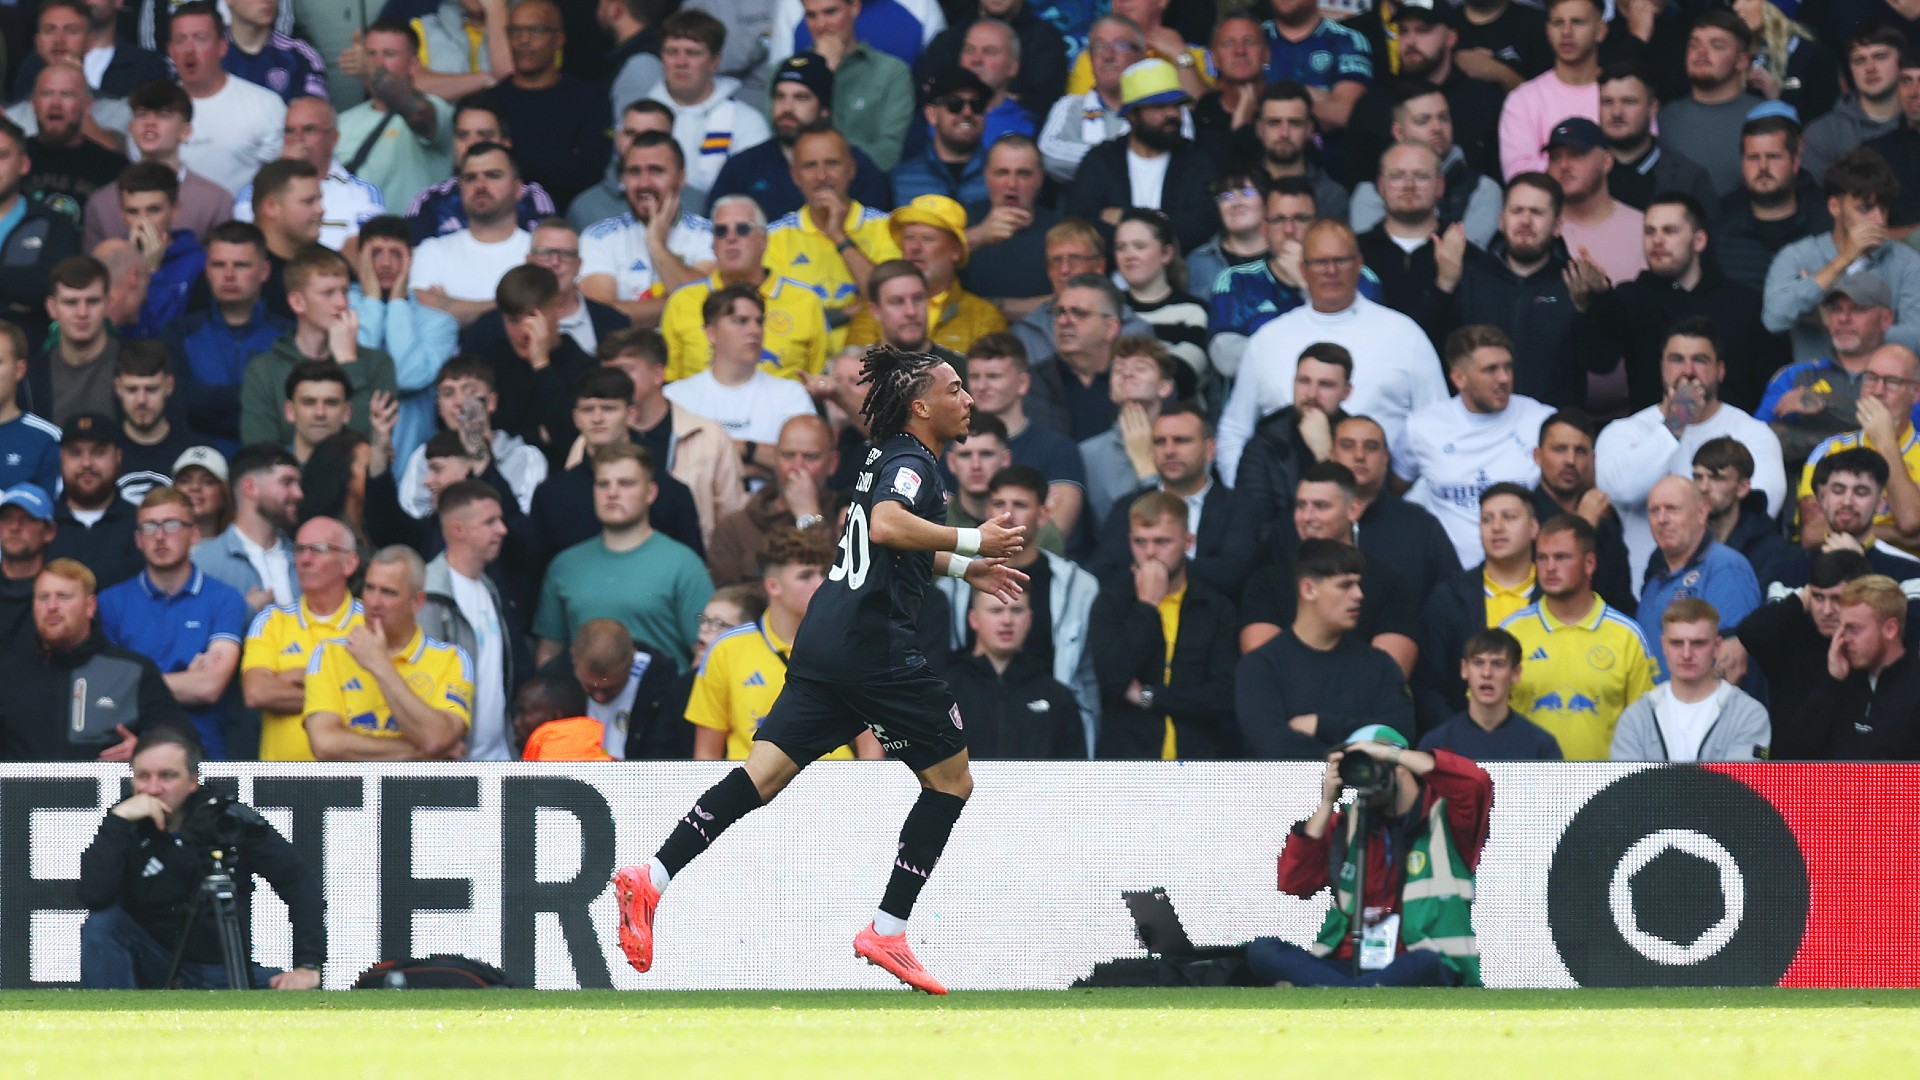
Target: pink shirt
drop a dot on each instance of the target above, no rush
(1530, 113)
(1614, 243)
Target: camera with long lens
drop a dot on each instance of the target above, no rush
(1365, 774)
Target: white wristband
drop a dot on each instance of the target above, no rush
(957, 566)
(966, 541)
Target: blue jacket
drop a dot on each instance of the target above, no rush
(180, 267)
(928, 175)
(210, 360)
(1716, 573)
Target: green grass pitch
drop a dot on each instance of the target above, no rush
(1064, 1035)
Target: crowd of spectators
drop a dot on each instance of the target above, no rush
(481, 380)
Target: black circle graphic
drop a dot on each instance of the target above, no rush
(1619, 816)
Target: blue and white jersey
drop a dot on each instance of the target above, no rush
(285, 65)
(1331, 54)
(1249, 296)
(618, 247)
(30, 452)
(347, 202)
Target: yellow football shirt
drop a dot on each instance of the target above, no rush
(956, 318)
(285, 638)
(1080, 76)
(1576, 678)
(438, 672)
(1848, 440)
(1502, 601)
(794, 345)
(798, 250)
(1170, 629)
(744, 672)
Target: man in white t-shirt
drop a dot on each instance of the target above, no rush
(1451, 451)
(1395, 370)
(312, 133)
(633, 261)
(241, 123)
(459, 271)
(1635, 452)
(733, 392)
(464, 607)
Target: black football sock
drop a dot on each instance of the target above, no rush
(726, 802)
(922, 838)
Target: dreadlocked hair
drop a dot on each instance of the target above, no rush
(896, 377)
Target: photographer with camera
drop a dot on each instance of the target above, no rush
(145, 877)
(1413, 836)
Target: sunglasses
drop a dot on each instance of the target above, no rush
(959, 103)
(738, 228)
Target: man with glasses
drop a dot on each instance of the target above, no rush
(1401, 249)
(1249, 296)
(1073, 248)
(562, 121)
(1395, 370)
(438, 210)
(1889, 389)
(283, 639)
(1156, 166)
(795, 337)
(1423, 113)
(1079, 122)
(312, 134)
(186, 622)
(1071, 390)
(953, 163)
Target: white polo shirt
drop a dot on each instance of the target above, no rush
(1450, 455)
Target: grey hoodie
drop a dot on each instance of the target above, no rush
(1846, 127)
(1741, 731)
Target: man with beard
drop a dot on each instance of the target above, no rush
(1870, 704)
(68, 167)
(633, 261)
(1601, 231)
(1634, 453)
(1284, 125)
(1571, 88)
(1849, 487)
(1681, 281)
(255, 553)
(954, 163)
(1520, 282)
(437, 210)
(1426, 42)
(1873, 109)
(1565, 457)
(1560, 687)
(802, 101)
(1707, 121)
(1642, 167)
(1777, 202)
(93, 524)
(150, 443)
(1452, 450)
(1889, 389)
(1467, 195)
(1154, 166)
(458, 272)
(1401, 248)
(1811, 400)
(796, 334)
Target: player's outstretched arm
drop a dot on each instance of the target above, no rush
(893, 525)
(991, 576)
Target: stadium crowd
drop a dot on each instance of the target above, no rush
(482, 381)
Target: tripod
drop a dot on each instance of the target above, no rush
(1357, 924)
(221, 896)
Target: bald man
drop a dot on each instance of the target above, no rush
(804, 458)
(69, 164)
(1689, 562)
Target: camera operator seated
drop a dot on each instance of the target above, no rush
(140, 875)
(1426, 822)
(70, 695)
(386, 691)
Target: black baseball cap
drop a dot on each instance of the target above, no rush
(1577, 132)
(1436, 12)
(90, 427)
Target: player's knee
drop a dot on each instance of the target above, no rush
(958, 783)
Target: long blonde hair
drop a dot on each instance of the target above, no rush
(1776, 34)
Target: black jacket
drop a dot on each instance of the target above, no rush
(1186, 195)
(105, 547)
(1347, 687)
(1406, 277)
(657, 728)
(1633, 318)
(1551, 359)
(43, 237)
(1455, 611)
(1658, 171)
(1270, 468)
(1222, 553)
(1017, 714)
(1128, 645)
(1475, 106)
(41, 718)
(117, 870)
(1744, 246)
(1043, 57)
(532, 400)
(1408, 539)
(1901, 148)
(563, 512)
(1874, 723)
(1755, 536)
(130, 67)
(490, 330)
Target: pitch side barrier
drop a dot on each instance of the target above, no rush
(1595, 874)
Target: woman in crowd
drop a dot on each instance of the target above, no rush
(1148, 257)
